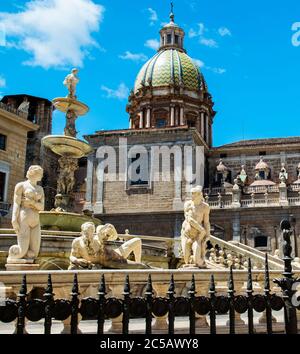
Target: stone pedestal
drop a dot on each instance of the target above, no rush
(23, 264)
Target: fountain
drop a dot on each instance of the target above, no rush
(70, 149)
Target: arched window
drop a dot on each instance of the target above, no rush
(160, 118)
(191, 119)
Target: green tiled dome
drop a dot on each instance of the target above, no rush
(167, 67)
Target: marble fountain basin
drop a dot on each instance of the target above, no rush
(64, 221)
(67, 146)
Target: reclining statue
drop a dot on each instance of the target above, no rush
(89, 251)
(195, 230)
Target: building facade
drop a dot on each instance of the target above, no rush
(14, 128)
(35, 113)
(250, 185)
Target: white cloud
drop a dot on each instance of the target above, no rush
(133, 56)
(224, 31)
(2, 81)
(202, 29)
(202, 65)
(152, 43)
(152, 16)
(121, 92)
(198, 62)
(219, 71)
(192, 33)
(57, 33)
(208, 42)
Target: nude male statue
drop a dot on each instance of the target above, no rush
(195, 229)
(71, 81)
(28, 202)
(90, 252)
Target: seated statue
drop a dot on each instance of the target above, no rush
(195, 230)
(90, 252)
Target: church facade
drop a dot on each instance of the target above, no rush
(249, 185)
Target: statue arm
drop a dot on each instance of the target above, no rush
(206, 222)
(17, 205)
(76, 257)
(189, 218)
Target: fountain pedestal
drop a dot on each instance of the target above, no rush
(67, 146)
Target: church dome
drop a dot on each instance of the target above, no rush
(170, 66)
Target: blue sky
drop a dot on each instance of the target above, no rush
(244, 49)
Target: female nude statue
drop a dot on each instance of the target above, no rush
(28, 202)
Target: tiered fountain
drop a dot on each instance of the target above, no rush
(70, 149)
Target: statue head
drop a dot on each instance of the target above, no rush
(35, 173)
(105, 232)
(197, 196)
(75, 71)
(88, 229)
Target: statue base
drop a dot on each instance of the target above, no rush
(22, 266)
(192, 266)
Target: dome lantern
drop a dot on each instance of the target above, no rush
(171, 35)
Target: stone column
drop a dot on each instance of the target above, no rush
(181, 115)
(283, 199)
(141, 120)
(89, 182)
(207, 128)
(130, 123)
(148, 116)
(172, 117)
(202, 118)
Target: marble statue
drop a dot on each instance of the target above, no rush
(70, 128)
(24, 106)
(195, 229)
(242, 175)
(283, 175)
(70, 82)
(89, 251)
(28, 202)
(66, 179)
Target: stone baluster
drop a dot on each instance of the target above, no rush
(253, 200)
(181, 115)
(160, 324)
(172, 118)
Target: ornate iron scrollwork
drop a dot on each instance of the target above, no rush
(276, 302)
(240, 304)
(222, 304)
(138, 307)
(35, 310)
(160, 306)
(202, 305)
(181, 306)
(89, 308)
(61, 309)
(9, 312)
(259, 303)
(113, 307)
